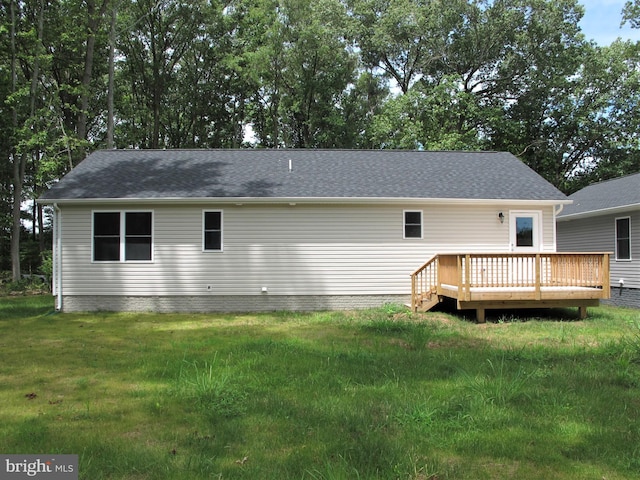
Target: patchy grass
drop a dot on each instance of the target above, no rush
(334, 395)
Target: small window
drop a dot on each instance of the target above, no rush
(413, 224)
(121, 236)
(623, 238)
(212, 235)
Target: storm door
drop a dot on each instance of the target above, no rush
(525, 231)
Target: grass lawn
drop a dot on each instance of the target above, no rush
(334, 395)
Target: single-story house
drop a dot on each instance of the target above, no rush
(606, 216)
(251, 230)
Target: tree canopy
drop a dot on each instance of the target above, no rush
(512, 75)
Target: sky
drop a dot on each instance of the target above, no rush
(601, 22)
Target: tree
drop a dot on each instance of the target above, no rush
(95, 15)
(631, 13)
(298, 58)
(431, 117)
(159, 36)
(577, 112)
(45, 75)
(401, 38)
(19, 156)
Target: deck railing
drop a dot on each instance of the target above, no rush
(510, 270)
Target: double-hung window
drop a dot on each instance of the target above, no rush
(212, 231)
(412, 224)
(122, 236)
(623, 238)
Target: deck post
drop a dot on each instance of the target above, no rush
(582, 312)
(459, 275)
(538, 267)
(467, 276)
(606, 278)
(414, 306)
(480, 315)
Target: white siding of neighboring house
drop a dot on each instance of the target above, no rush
(289, 249)
(597, 234)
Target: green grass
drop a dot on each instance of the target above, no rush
(334, 395)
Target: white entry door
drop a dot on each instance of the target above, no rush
(525, 231)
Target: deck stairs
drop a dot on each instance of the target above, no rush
(427, 300)
(424, 286)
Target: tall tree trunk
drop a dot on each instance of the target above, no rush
(93, 23)
(41, 243)
(20, 159)
(110, 93)
(19, 165)
(18, 162)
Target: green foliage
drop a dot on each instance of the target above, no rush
(46, 264)
(25, 286)
(631, 13)
(211, 389)
(499, 386)
(513, 75)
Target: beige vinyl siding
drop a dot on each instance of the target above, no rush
(597, 234)
(289, 249)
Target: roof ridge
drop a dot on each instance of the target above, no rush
(613, 179)
(194, 149)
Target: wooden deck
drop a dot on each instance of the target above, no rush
(480, 281)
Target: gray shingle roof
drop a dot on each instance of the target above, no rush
(157, 174)
(617, 193)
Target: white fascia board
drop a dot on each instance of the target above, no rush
(300, 200)
(596, 213)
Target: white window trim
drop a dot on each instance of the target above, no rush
(209, 250)
(537, 230)
(123, 215)
(615, 233)
(404, 224)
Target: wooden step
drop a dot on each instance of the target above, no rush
(428, 303)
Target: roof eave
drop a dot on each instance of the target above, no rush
(300, 200)
(596, 213)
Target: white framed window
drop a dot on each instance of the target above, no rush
(212, 239)
(412, 224)
(623, 238)
(525, 231)
(122, 236)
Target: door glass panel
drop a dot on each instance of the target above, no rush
(524, 231)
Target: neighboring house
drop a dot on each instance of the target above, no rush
(249, 230)
(606, 217)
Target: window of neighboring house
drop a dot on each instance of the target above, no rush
(122, 236)
(212, 231)
(623, 238)
(413, 224)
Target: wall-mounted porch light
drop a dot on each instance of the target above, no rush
(501, 217)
